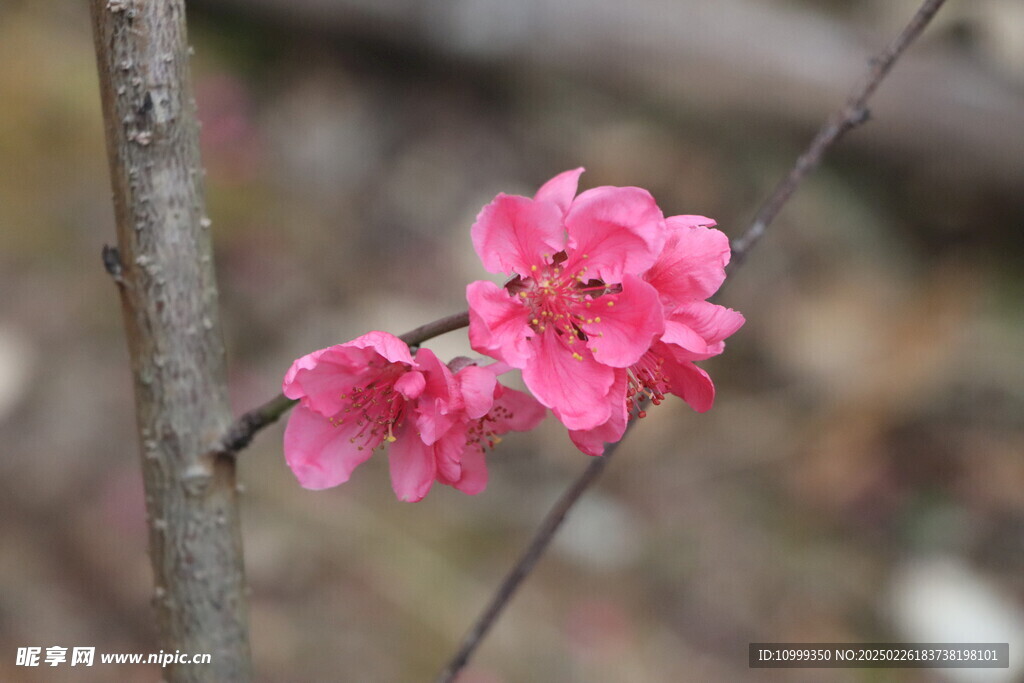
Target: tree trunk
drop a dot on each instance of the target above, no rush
(168, 292)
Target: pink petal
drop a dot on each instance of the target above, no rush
(473, 479)
(689, 221)
(513, 233)
(683, 336)
(614, 230)
(519, 412)
(448, 454)
(498, 324)
(439, 406)
(393, 349)
(711, 321)
(477, 386)
(576, 390)
(592, 441)
(624, 324)
(412, 465)
(561, 189)
(691, 266)
(411, 384)
(321, 378)
(320, 454)
(690, 383)
(290, 385)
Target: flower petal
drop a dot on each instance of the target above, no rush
(689, 221)
(561, 189)
(690, 383)
(449, 452)
(498, 324)
(691, 266)
(513, 233)
(628, 322)
(438, 407)
(473, 479)
(592, 441)
(320, 454)
(477, 385)
(576, 390)
(515, 411)
(614, 230)
(711, 321)
(387, 345)
(321, 379)
(411, 384)
(412, 465)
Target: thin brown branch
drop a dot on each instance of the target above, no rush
(242, 431)
(164, 270)
(435, 329)
(526, 562)
(853, 113)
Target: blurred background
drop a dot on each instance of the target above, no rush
(860, 479)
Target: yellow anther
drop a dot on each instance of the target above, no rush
(596, 320)
(533, 267)
(611, 303)
(535, 321)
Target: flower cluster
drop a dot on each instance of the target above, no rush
(604, 307)
(372, 391)
(606, 302)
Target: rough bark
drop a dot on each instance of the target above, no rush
(164, 271)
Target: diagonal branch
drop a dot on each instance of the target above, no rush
(241, 432)
(851, 114)
(524, 565)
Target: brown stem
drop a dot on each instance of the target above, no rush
(853, 113)
(850, 115)
(241, 432)
(524, 565)
(164, 270)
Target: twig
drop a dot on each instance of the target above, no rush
(853, 113)
(435, 329)
(242, 431)
(524, 565)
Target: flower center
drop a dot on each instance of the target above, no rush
(378, 410)
(483, 433)
(561, 299)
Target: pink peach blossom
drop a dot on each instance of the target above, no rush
(690, 268)
(372, 392)
(575, 309)
(357, 396)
